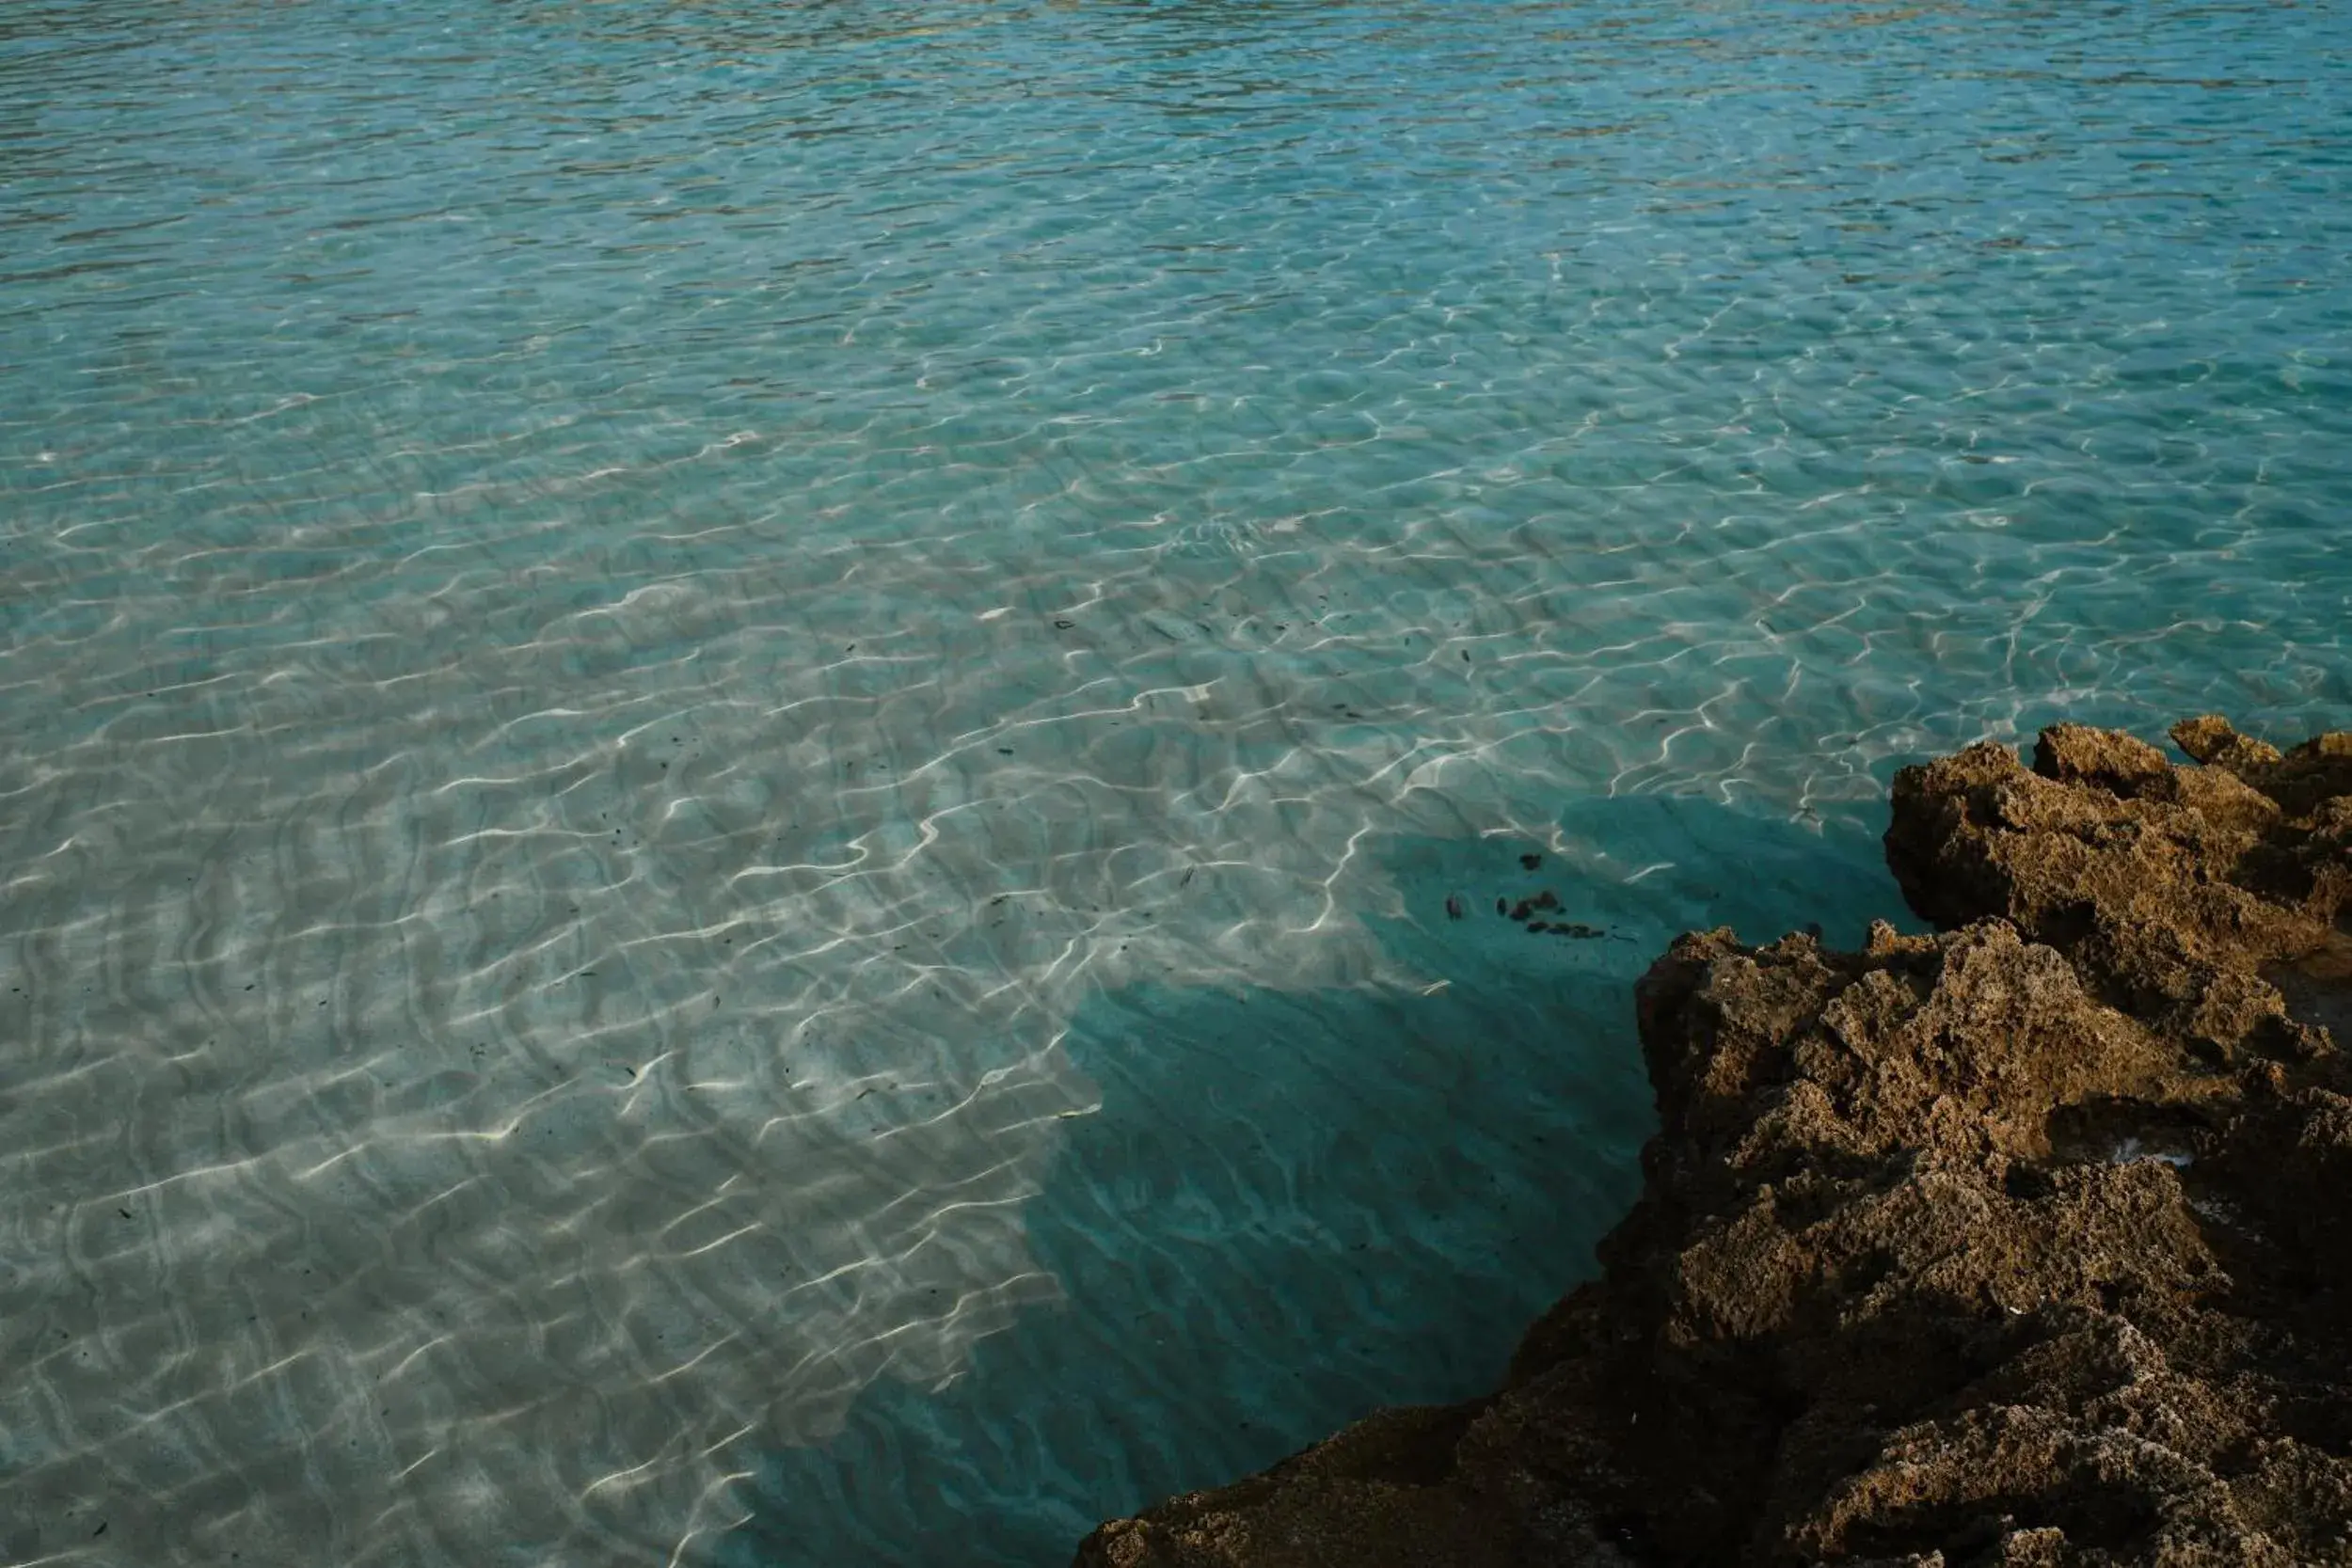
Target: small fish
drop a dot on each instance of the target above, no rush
(1502, 906)
(1531, 862)
(1453, 906)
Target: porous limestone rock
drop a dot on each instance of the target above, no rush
(2028, 1244)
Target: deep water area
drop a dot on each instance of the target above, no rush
(759, 758)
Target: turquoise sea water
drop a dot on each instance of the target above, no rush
(735, 736)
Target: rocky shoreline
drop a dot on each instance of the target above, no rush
(2027, 1243)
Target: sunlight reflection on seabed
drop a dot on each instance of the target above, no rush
(685, 683)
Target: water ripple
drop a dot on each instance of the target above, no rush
(673, 671)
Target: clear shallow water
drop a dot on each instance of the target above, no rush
(736, 735)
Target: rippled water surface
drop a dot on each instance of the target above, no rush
(735, 736)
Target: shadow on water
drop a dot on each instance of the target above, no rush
(1294, 1207)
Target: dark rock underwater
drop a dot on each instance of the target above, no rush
(2027, 1243)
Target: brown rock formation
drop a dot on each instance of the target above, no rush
(2027, 1243)
(2172, 888)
